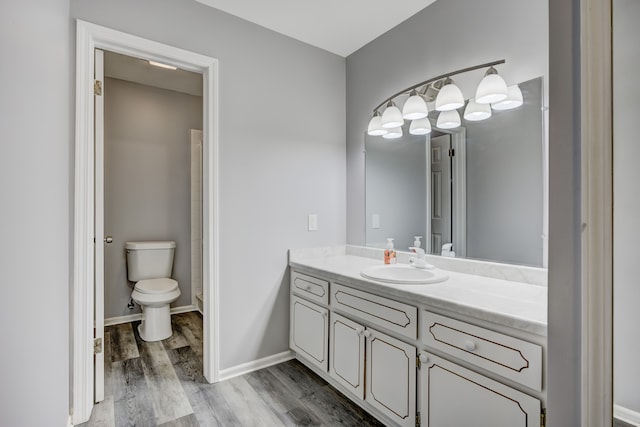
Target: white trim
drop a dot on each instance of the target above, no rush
(459, 176)
(69, 423)
(597, 213)
(265, 362)
(89, 37)
(626, 415)
(138, 316)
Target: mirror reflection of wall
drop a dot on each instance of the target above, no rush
(504, 167)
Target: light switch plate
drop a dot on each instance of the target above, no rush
(313, 222)
(375, 221)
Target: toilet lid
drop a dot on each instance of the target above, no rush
(156, 286)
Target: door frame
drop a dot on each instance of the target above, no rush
(89, 37)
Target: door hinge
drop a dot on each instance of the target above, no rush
(452, 152)
(97, 87)
(418, 362)
(543, 417)
(418, 419)
(97, 345)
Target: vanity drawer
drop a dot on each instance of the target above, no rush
(510, 357)
(310, 287)
(392, 315)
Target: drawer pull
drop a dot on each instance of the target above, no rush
(424, 358)
(368, 334)
(307, 286)
(360, 332)
(470, 345)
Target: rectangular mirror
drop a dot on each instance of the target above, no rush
(479, 187)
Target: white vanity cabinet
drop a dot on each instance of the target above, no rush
(455, 396)
(347, 350)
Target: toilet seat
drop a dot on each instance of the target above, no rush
(156, 286)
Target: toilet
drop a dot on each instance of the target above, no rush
(149, 265)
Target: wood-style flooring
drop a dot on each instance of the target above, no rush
(161, 384)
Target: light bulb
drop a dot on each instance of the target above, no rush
(513, 99)
(375, 125)
(393, 133)
(448, 120)
(476, 112)
(492, 88)
(415, 107)
(449, 98)
(392, 117)
(420, 126)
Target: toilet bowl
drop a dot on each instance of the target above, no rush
(149, 265)
(154, 297)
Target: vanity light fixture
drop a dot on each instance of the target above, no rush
(393, 133)
(375, 125)
(415, 107)
(448, 119)
(392, 117)
(513, 99)
(492, 93)
(475, 112)
(420, 126)
(450, 97)
(492, 88)
(161, 65)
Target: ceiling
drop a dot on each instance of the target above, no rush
(339, 26)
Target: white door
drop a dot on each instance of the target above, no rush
(455, 396)
(100, 238)
(347, 353)
(309, 335)
(440, 192)
(391, 377)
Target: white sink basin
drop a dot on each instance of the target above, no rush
(404, 274)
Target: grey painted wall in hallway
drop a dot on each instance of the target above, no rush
(626, 209)
(275, 167)
(35, 181)
(434, 41)
(147, 181)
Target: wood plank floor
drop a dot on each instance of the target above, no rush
(161, 384)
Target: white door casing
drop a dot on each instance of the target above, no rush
(88, 38)
(100, 240)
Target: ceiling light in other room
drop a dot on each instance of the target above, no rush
(492, 88)
(161, 65)
(513, 99)
(448, 120)
(450, 97)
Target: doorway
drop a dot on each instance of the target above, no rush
(89, 38)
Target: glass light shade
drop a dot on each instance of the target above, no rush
(476, 112)
(449, 98)
(375, 126)
(420, 126)
(491, 89)
(392, 117)
(393, 133)
(448, 119)
(415, 108)
(513, 100)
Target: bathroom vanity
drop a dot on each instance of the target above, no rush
(466, 351)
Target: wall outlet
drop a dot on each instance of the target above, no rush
(313, 222)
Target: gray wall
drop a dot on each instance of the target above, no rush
(434, 41)
(35, 199)
(396, 188)
(626, 230)
(278, 161)
(147, 181)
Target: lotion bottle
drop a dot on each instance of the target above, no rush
(389, 252)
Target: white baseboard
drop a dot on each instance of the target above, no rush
(254, 365)
(626, 415)
(138, 316)
(69, 421)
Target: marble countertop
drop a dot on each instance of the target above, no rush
(513, 304)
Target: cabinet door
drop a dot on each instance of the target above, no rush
(309, 331)
(347, 353)
(455, 396)
(391, 377)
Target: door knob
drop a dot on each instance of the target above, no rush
(108, 239)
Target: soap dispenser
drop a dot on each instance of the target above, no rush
(416, 241)
(389, 252)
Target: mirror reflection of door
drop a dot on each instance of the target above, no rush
(440, 192)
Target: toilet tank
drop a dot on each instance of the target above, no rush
(149, 260)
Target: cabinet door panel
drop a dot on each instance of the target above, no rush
(455, 396)
(391, 377)
(309, 336)
(347, 353)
